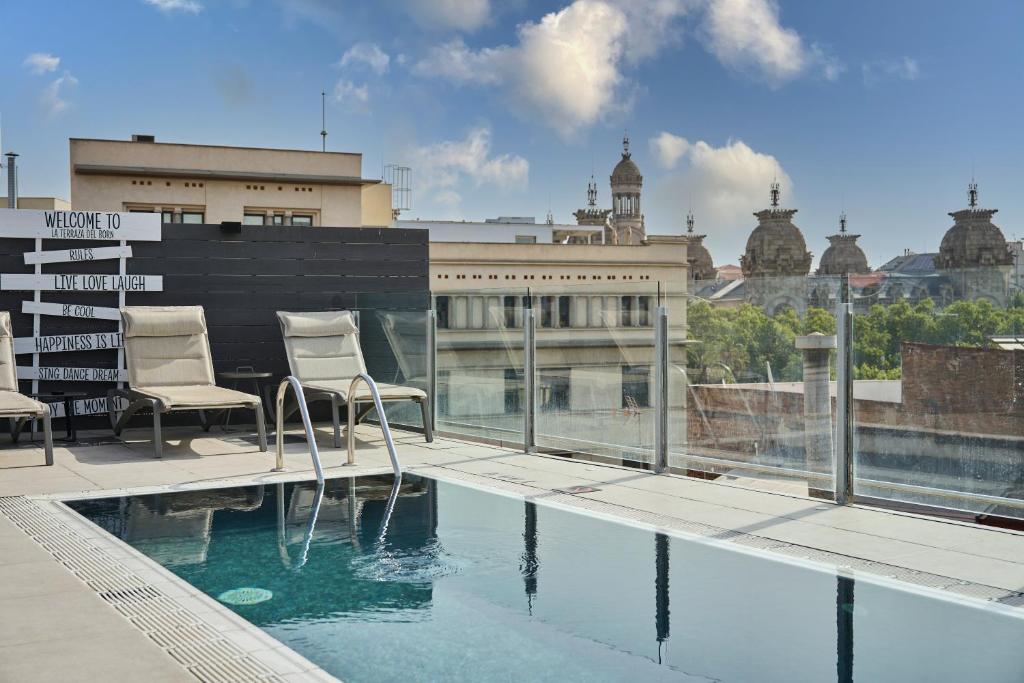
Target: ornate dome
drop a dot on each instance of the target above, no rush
(699, 258)
(776, 247)
(626, 172)
(974, 241)
(843, 256)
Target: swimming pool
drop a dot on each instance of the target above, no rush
(437, 581)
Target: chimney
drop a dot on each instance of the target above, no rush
(12, 181)
(140, 137)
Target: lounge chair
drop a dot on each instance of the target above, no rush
(325, 356)
(167, 353)
(15, 406)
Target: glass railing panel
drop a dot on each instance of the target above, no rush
(595, 367)
(393, 337)
(752, 383)
(480, 389)
(939, 390)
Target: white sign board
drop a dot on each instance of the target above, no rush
(71, 310)
(80, 225)
(81, 283)
(76, 255)
(73, 374)
(88, 406)
(99, 341)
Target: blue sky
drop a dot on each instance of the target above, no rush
(877, 107)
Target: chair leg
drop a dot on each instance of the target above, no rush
(16, 427)
(427, 431)
(336, 416)
(47, 438)
(261, 427)
(158, 438)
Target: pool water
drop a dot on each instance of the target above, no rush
(435, 581)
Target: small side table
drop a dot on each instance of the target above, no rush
(244, 374)
(68, 398)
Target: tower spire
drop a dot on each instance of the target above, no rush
(689, 221)
(625, 144)
(972, 194)
(775, 194)
(842, 222)
(592, 192)
(323, 121)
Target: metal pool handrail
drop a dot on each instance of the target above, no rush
(351, 436)
(314, 453)
(307, 539)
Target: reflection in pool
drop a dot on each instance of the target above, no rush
(374, 580)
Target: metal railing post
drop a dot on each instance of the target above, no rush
(432, 367)
(661, 389)
(530, 380)
(844, 403)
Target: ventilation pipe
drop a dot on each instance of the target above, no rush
(12, 181)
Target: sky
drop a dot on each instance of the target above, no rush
(883, 110)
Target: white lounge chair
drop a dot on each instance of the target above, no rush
(14, 405)
(325, 356)
(167, 353)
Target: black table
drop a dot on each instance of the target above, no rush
(66, 397)
(248, 374)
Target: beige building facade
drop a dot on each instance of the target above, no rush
(212, 183)
(595, 308)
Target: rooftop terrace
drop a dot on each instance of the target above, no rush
(63, 617)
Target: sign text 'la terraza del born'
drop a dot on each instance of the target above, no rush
(80, 225)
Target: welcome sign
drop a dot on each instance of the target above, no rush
(79, 225)
(119, 227)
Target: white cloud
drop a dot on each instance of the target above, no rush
(668, 149)
(564, 69)
(368, 55)
(41, 62)
(442, 168)
(461, 15)
(903, 69)
(350, 94)
(186, 6)
(724, 186)
(53, 94)
(746, 35)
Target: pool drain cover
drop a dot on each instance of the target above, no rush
(245, 596)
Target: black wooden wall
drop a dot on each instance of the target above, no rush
(241, 279)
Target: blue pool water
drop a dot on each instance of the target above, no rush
(433, 581)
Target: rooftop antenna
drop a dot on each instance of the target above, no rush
(625, 144)
(323, 121)
(550, 218)
(842, 222)
(775, 194)
(972, 194)
(592, 192)
(689, 221)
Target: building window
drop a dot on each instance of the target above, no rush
(252, 219)
(626, 312)
(645, 311)
(564, 304)
(510, 311)
(442, 306)
(526, 239)
(277, 220)
(547, 313)
(192, 216)
(167, 216)
(555, 389)
(636, 386)
(513, 391)
(302, 219)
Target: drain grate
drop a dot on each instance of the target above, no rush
(193, 644)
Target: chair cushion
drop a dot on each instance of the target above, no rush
(12, 404)
(8, 369)
(5, 324)
(197, 396)
(163, 321)
(317, 323)
(388, 392)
